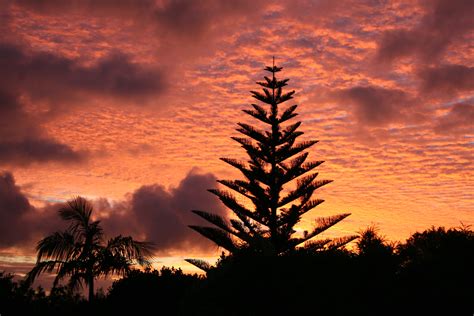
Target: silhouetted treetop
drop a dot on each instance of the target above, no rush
(276, 159)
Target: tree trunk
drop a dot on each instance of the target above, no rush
(91, 288)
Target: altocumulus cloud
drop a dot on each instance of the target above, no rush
(184, 28)
(151, 212)
(444, 23)
(57, 84)
(33, 80)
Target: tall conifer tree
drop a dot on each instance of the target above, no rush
(276, 159)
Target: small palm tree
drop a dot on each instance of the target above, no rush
(80, 253)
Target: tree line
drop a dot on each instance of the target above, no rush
(428, 274)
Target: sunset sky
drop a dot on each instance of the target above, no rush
(132, 103)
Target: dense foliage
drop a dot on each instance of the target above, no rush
(429, 274)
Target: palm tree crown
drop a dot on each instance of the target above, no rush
(79, 252)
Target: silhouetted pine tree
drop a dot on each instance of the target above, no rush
(276, 159)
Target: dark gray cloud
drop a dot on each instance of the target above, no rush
(196, 18)
(123, 7)
(377, 106)
(447, 80)
(151, 212)
(444, 22)
(20, 222)
(13, 208)
(45, 76)
(23, 140)
(458, 121)
(37, 150)
(163, 216)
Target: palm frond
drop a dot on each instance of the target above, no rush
(69, 268)
(57, 246)
(95, 232)
(76, 280)
(78, 212)
(40, 267)
(130, 249)
(112, 263)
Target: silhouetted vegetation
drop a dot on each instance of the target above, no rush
(148, 290)
(437, 271)
(429, 274)
(79, 252)
(18, 298)
(276, 162)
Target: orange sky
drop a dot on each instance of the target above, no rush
(121, 100)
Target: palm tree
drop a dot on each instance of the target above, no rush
(80, 253)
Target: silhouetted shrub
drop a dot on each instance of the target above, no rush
(437, 271)
(376, 264)
(18, 298)
(145, 291)
(278, 285)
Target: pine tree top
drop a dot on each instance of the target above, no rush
(273, 68)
